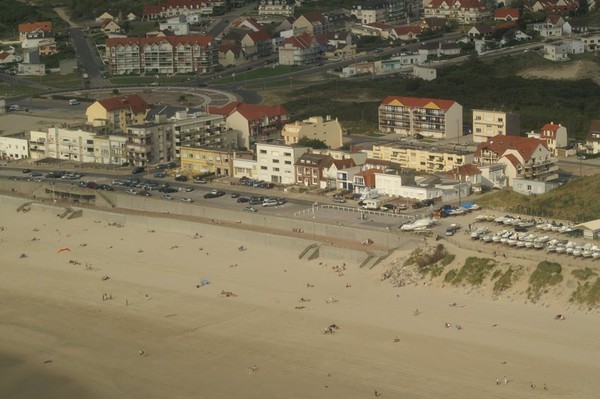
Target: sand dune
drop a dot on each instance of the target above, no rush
(198, 342)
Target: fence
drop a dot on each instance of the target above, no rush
(354, 210)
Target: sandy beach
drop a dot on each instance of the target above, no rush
(146, 330)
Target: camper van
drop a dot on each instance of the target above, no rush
(371, 204)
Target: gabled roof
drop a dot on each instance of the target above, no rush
(369, 173)
(4, 54)
(463, 4)
(553, 19)
(45, 26)
(503, 13)
(512, 159)
(238, 23)
(436, 22)
(259, 36)
(500, 144)
(550, 127)
(315, 160)
(202, 41)
(505, 25)
(249, 111)
(313, 17)
(235, 48)
(419, 102)
(405, 30)
(380, 162)
(302, 41)
(466, 170)
(483, 29)
(132, 101)
(112, 13)
(106, 22)
(341, 163)
(594, 131)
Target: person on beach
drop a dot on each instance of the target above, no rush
(142, 353)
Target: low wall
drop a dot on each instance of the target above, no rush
(293, 244)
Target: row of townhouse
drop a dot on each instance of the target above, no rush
(161, 55)
(462, 11)
(173, 8)
(281, 8)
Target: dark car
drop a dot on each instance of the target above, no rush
(241, 200)
(171, 165)
(389, 207)
(168, 190)
(214, 194)
(137, 170)
(92, 185)
(250, 209)
(159, 175)
(26, 170)
(281, 201)
(106, 187)
(181, 178)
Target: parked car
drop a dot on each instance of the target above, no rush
(26, 171)
(187, 199)
(214, 194)
(339, 199)
(200, 181)
(166, 196)
(159, 175)
(235, 195)
(249, 209)
(270, 202)
(189, 189)
(402, 207)
(92, 185)
(106, 187)
(388, 207)
(241, 200)
(138, 169)
(281, 201)
(168, 190)
(181, 178)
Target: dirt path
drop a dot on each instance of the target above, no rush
(63, 15)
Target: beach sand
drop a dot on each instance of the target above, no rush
(161, 336)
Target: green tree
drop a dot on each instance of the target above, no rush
(312, 143)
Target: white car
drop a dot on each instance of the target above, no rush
(187, 199)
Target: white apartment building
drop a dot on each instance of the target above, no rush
(13, 148)
(77, 145)
(488, 123)
(316, 127)
(283, 8)
(200, 129)
(275, 163)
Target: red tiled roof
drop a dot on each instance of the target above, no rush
(257, 111)
(259, 36)
(551, 127)
(239, 22)
(45, 26)
(132, 101)
(379, 25)
(505, 25)
(500, 144)
(503, 13)
(301, 41)
(512, 159)
(404, 30)
(224, 110)
(468, 170)
(203, 41)
(4, 55)
(235, 48)
(314, 17)
(417, 102)
(342, 163)
(150, 9)
(553, 19)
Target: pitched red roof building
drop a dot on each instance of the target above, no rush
(133, 102)
(46, 26)
(506, 14)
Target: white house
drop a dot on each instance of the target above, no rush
(13, 148)
(555, 51)
(554, 135)
(404, 186)
(275, 163)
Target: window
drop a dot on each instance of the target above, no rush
(263, 151)
(288, 162)
(276, 161)
(263, 168)
(275, 169)
(287, 154)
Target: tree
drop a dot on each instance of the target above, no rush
(312, 143)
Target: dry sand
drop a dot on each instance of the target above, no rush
(572, 70)
(59, 338)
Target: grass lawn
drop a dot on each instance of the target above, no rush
(7, 90)
(258, 73)
(146, 80)
(55, 80)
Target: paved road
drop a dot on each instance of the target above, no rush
(87, 57)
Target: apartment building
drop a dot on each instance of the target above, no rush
(150, 143)
(489, 123)
(173, 8)
(161, 55)
(592, 141)
(78, 145)
(522, 157)
(300, 50)
(422, 158)
(116, 113)
(275, 162)
(283, 8)
(316, 127)
(462, 11)
(199, 129)
(255, 123)
(210, 159)
(409, 116)
(13, 148)
(389, 11)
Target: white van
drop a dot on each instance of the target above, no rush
(270, 202)
(73, 102)
(371, 204)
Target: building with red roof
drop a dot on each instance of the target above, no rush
(506, 14)
(406, 33)
(524, 158)
(161, 55)
(300, 50)
(411, 116)
(555, 137)
(255, 122)
(44, 27)
(116, 113)
(462, 11)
